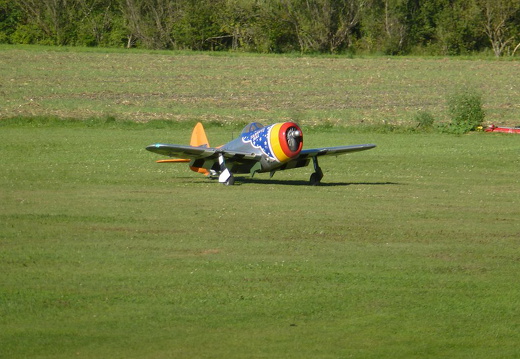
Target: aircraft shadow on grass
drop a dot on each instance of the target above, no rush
(249, 180)
(266, 181)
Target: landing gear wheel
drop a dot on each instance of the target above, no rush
(318, 174)
(316, 178)
(230, 181)
(314, 181)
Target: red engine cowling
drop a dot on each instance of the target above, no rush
(285, 140)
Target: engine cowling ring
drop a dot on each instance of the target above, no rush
(286, 140)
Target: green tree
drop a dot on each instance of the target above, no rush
(383, 26)
(235, 23)
(500, 23)
(150, 23)
(457, 28)
(9, 18)
(198, 25)
(276, 31)
(99, 21)
(55, 21)
(323, 25)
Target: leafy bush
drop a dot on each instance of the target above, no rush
(465, 110)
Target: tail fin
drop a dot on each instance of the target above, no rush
(199, 139)
(198, 136)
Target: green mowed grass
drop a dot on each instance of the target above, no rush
(407, 250)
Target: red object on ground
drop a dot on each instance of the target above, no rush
(494, 128)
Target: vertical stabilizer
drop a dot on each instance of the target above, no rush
(198, 136)
(199, 139)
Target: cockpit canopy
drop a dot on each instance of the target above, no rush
(253, 126)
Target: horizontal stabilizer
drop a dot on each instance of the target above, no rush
(175, 160)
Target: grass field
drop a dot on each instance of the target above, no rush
(409, 250)
(142, 86)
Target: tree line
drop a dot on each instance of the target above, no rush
(394, 27)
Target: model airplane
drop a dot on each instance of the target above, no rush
(494, 128)
(258, 149)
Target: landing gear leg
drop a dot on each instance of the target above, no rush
(225, 176)
(317, 175)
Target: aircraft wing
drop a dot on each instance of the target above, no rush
(314, 152)
(195, 153)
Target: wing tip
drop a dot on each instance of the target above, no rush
(154, 146)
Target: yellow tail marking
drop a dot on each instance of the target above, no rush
(199, 138)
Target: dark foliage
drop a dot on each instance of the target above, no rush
(437, 27)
